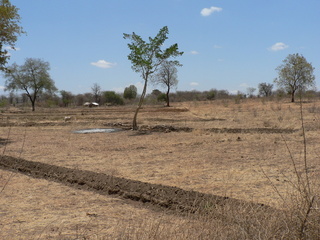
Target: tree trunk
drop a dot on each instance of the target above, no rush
(292, 96)
(32, 100)
(168, 100)
(33, 106)
(134, 123)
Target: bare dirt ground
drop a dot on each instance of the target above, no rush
(222, 148)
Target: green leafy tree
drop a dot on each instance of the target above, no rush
(167, 77)
(162, 97)
(112, 98)
(146, 57)
(32, 77)
(295, 74)
(130, 92)
(156, 92)
(9, 30)
(66, 97)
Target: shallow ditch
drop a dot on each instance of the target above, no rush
(252, 130)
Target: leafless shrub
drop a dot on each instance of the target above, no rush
(225, 103)
(301, 217)
(255, 113)
(314, 109)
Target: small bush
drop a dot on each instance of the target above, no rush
(162, 97)
(3, 103)
(211, 95)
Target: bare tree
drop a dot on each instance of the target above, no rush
(250, 91)
(96, 91)
(265, 89)
(167, 77)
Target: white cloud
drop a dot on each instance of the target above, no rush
(103, 64)
(194, 52)
(216, 46)
(208, 11)
(194, 84)
(278, 46)
(2, 88)
(244, 85)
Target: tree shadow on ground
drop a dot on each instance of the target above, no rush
(4, 141)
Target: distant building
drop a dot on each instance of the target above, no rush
(91, 104)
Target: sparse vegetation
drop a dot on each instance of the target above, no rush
(212, 147)
(233, 168)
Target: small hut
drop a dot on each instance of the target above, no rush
(91, 104)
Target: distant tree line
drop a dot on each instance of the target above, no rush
(31, 83)
(34, 84)
(64, 98)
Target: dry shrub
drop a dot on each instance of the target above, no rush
(302, 218)
(225, 222)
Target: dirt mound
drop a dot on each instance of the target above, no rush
(164, 197)
(169, 109)
(252, 130)
(164, 128)
(168, 128)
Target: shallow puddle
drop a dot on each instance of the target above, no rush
(98, 130)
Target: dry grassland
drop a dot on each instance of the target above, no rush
(233, 149)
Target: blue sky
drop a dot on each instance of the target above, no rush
(227, 44)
